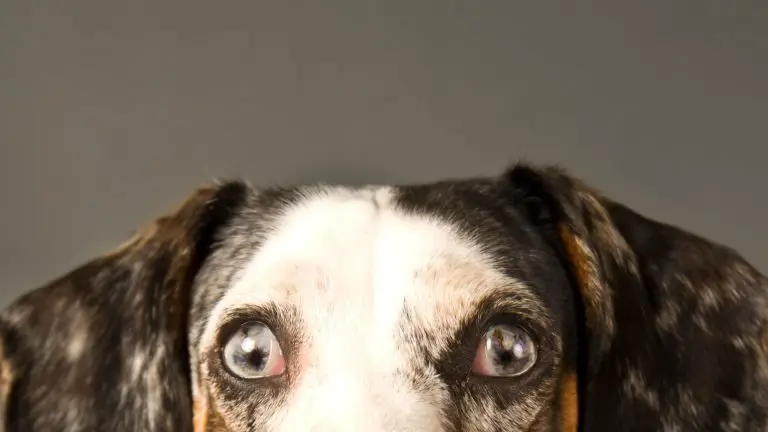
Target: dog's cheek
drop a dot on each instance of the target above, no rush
(485, 408)
(209, 420)
(247, 411)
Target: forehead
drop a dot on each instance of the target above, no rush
(371, 256)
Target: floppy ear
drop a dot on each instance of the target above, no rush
(105, 346)
(674, 326)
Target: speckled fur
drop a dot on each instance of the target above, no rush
(641, 326)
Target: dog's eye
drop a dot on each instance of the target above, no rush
(504, 351)
(253, 352)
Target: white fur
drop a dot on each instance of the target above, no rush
(350, 262)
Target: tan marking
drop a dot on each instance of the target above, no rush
(569, 403)
(200, 415)
(6, 378)
(584, 271)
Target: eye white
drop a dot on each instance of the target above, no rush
(504, 351)
(253, 352)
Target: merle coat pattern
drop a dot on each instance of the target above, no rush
(378, 297)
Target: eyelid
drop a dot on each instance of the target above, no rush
(515, 301)
(233, 319)
(509, 318)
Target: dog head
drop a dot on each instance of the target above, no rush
(522, 302)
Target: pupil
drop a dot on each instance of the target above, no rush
(507, 349)
(257, 358)
(254, 350)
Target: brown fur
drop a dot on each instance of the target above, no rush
(584, 272)
(569, 402)
(6, 378)
(200, 415)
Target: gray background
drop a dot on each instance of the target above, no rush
(111, 112)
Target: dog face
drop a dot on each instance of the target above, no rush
(525, 302)
(383, 309)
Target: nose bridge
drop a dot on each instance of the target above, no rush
(349, 385)
(354, 402)
(347, 379)
(334, 399)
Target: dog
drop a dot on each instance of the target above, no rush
(525, 301)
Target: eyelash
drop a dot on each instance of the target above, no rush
(269, 315)
(506, 318)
